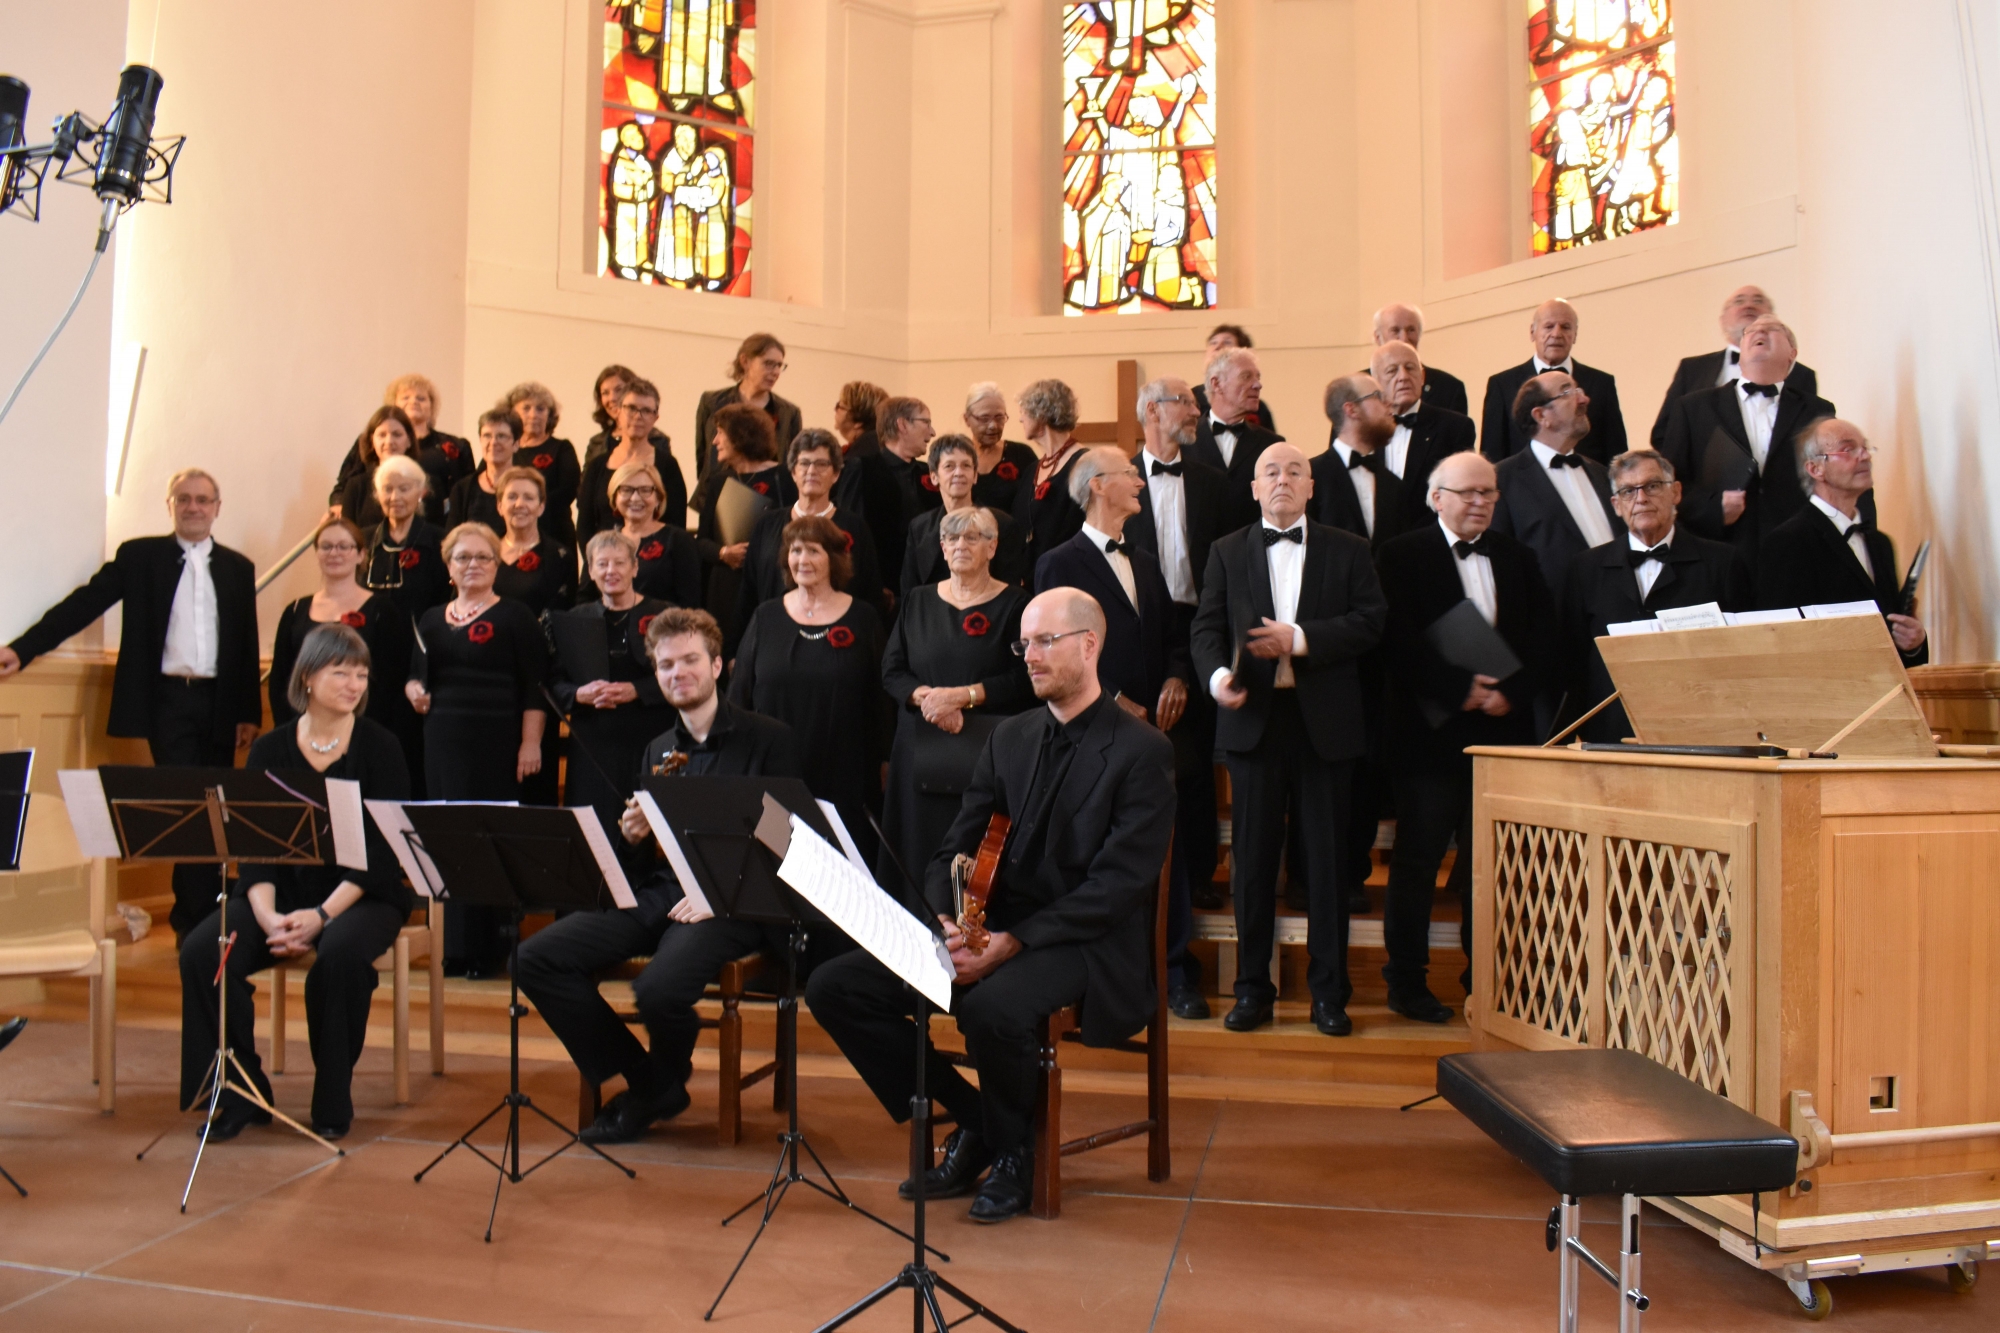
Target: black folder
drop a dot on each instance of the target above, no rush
(1725, 465)
(583, 648)
(1462, 637)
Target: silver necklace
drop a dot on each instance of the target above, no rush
(317, 748)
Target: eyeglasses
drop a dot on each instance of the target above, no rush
(1654, 487)
(335, 548)
(1475, 494)
(640, 492)
(1856, 454)
(467, 559)
(769, 364)
(813, 465)
(1042, 641)
(640, 411)
(965, 538)
(987, 418)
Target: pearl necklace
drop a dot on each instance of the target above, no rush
(328, 748)
(457, 617)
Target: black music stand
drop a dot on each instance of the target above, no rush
(212, 816)
(716, 822)
(518, 859)
(16, 767)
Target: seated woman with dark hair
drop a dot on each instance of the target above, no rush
(348, 918)
(815, 464)
(476, 499)
(954, 465)
(746, 453)
(388, 434)
(670, 564)
(341, 600)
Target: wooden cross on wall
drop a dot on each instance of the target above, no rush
(1124, 432)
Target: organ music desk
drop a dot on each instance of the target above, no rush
(1816, 939)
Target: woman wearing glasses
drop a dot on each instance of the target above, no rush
(631, 439)
(815, 464)
(950, 667)
(476, 499)
(341, 600)
(670, 565)
(954, 463)
(477, 680)
(1006, 482)
(759, 362)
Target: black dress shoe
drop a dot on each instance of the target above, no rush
(627, 1117)
(966, 1157)
(1296, 899)
(1332, 1019)
(1187, 1002)
(1422, 1006)
(1247, 1014)
(332, 1133)
(235, 1116)
(10, 1030)
(1009, 1187)
(1359, 904)
(1209, 897)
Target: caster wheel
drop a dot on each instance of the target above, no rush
(1814, 1297)
(1963, 1277)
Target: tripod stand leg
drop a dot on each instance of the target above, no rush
(462, 1141)
(630, 1174)
(216, 1077)
(15, 1183)
(906, 1278)
(978, 1311)
(772, 1198)
(500, 1177)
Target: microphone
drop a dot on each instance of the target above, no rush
(13, 111)
(128, 136)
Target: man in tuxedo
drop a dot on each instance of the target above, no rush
(1424, 435)
(1228, 437)
(1179, 518)
(1553, 331)
(1712, 370)
(1401, 323)
(1287, 609)
(1220, 339)
(1353, 489)
(1437, 709)
(187, 669)
(1553, 500)
(1089, 790)
(1657, 566)
(1731, 445)
(1829, 551)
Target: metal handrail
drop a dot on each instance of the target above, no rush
(285, 562)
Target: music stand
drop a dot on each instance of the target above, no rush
(519, 859)
(16, 768)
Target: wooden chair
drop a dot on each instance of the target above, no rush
(425, 940)
(736, 983)
(52, 914)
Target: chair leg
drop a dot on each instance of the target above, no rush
(729, 1073)
(278, 1018)
(437, 1001)
(1159, 1148)
(399, 1054)
(104, 1023)
(1047, 1201)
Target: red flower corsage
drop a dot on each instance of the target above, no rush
(449, 449)
(645, 623)
(542, 461)
(847, 543)
(479, 631)
(528, 563)
(840, 637)
(1041, 490)
(976, 624)
(929, 482)
(652, 550)
(761, 487)
(408, 559)
(353, 618)
(1006, 471)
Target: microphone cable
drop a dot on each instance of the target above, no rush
(103, 243)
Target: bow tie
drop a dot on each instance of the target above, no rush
(1760, 390)
(1170, 469)
(1734, 356)
(1564, 460)
(1272, 536)
(1640, 555)
(1852, 530)
(1221, 428)
(1112, 546)
(1464, 549)
(1407, 420)
(1373, 462)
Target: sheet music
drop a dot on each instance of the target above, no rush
(89, 812)
(1625, 627)
(676, 855)
(1707, 615)
(1761, 617)
(350, 830)
(607, 863)
(1835, 610)
(846, 839)
(417, 865)
(871, 918)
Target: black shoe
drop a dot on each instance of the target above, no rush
(628, 1116)
(1247, 1014)
(1209, 897)
(1359, 904)
(1187, 1002)
(1332, 1019)
(1422, 1006)
(966, 1157)
(10, 1030)
(454, 967)
(1296, 899)
(333, 1133)
(235, 1116)
(1009, 1187)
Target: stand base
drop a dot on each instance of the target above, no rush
(11, 1181)
(219, 1081)
(513, 1104)
(924, 1286)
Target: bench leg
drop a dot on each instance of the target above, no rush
(1632, 1301)
(278, 1019)
(437, 1001)
(1572, 1227)
(399, 1054)
(1046, 1199)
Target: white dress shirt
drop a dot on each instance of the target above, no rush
(1760, 417)
(1396, 453)
(1649, 573)
(1225, 436)
(1364, 480)
(1573, 485)
(191, 648)
(1475, 575)
(1730, 371)
(1567, 367)
(1286, 562)
(1169, 501)
(1121, 564)
(1857, 543)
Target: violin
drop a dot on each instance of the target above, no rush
(673, 762)
(972, 882)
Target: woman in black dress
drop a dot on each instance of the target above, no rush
(609, 692)
(535, 567)
(745, 452)
(1006, 482)
(954, 464)
(444, 457)
(400, 555)
(812, 658)
(388, 434)
(670, 564)
(348, 918)
(478, 683)
(637, 409)
(605, 392)
(754, 372)
(341, 600)
(1048, 414)
(476, 499)
(814, 462)
(950, 668)
(540, 449)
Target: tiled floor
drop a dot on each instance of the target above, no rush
(1278, 1217)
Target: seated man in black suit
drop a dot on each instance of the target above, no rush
(1553, 330)
(1228, 437)
(1090, 793)
(1287, 609)
(1553, 500)
(1437, 709)
(1829, 552)
(1353, 489)
(561, 963)
(1424, 435)
(1657, 566)
(1401, 323)
(1712, 370)
(187, 669)
(1731, 446)
(1220, 339)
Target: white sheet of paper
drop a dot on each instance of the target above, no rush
(417, 865)
(871, 918)
(607, 863)
(676, 855)
(846, 839)
(1761, 617)
(350, 829)
(89, 812)
(1835, 610)
(1625, 627)
(1708, 615)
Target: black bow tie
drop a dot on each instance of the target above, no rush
(1112, 546)
(1564, 460)
(1373, 462)
(1221, 428)
(1760, 390)
(1640, 555)
(1464, 549)
(1170, 469)
(1852, 529)
(1272, 536)
(1408, 419)
(1734, 356)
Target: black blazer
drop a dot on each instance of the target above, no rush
(1420, 579)
(1341, 611)
(1336, 503)
(923, 553)
(1203, 496)
(1602, 588)
(1533, 513)
(1713, 419)
(1697, 374)
(1442, 389)
(1099, 873)
(144, 574)
(1139, 652)
(1499, 438)
(1806, 563)
(866, 487)
(785, 420)
(740, 744)
(567, 676)
(1239, 507)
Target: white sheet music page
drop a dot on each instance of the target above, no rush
(607, 862)
(350, 834)
(676, 855)
(89, 812)
(872, 919)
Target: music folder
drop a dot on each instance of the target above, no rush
(1906, 601)
(737, 509)
(1725, 465)
(707, 828)
(582, 648)
(1462, 637)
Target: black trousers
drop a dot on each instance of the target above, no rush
(872, 1016)
(1263, 783)
(185, 733)
(1194, 820)
(1433, 805)
(337, 989)
(561, 964)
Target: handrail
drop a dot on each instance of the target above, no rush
(285, 562)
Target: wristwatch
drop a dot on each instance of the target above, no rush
(323, 917)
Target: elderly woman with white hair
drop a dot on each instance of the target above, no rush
(954, 465)
(400, 555)
(1048, 417)
(1006, 482)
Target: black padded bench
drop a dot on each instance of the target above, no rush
(1613, 1122)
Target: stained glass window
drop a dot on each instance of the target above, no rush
(679, 100)
(1601, 119)
(1138, 156)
